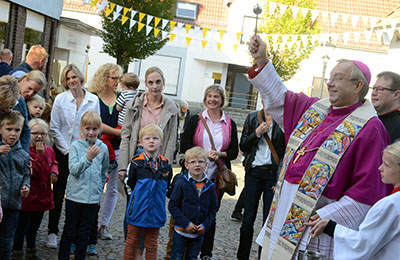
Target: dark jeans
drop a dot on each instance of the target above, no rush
(7, 230)
(78, 222)
(241, 201)
(93, 229)
(258, 181)
(28, 225)
(58, 191)
(180, 244)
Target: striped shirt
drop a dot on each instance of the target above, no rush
(124, 98)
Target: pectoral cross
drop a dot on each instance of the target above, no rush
(300, 152)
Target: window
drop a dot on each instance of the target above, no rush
(186, 10)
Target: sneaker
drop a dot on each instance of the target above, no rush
(73, 248)
(52, 241)
(104, 233)
(237, 216)
(92, 250)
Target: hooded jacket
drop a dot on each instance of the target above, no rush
(86, 179)
(14, 174)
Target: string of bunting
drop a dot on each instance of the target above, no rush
(189, 33)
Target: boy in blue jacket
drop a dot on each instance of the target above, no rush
(149, 178)
(193, 205)
(14, 178)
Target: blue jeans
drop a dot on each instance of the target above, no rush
(257, 181)
(79, 218)
(180, 244)
(7, 230)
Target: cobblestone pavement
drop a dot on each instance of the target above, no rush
(226, 238)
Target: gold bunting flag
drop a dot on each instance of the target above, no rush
(124, 19)
(188, 26)
(156, 31)
(204, 43)
(188, 40)
(108, 11)
(140, 26)
(235, 46)
(219, 45)
(238, 35)
(221, 33)
(172, 24)
(126, 10)
(112, 6)
(141, 16)
(156, 21)
(205, 30)
(172, 36)
(93, 3)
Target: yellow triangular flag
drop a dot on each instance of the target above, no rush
(141, 16)
(156, 31)
(108, 11)
(156, 21)
(235, 46)
(205, 30)
(221, 33)
(172, 24)
(93, 3)
(172, 36)
(219, 45)
(126, 10)
(124, 19)
(140, 26)
(238, 35)
(204, 43)
(188, 26)
(112, 6)
(188, 40)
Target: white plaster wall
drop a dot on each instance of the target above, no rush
(88, 18)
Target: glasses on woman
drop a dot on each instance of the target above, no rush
(196, 162)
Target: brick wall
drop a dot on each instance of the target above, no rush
(16, 31)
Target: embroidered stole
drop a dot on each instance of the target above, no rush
(317, 175)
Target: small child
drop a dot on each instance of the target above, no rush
(149, 178)
(129, 83)
(378, 236)
(40, 199)
(36, 106)
(88, 165)
(14, 177)
(193, 205)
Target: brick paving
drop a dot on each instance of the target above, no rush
(226, 238)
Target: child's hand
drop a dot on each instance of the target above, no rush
(24, 192)
(121, 175)
(200, 230)
(191, 228)
(92, 152)
(4, 149)
(39, 147)
(53, 178)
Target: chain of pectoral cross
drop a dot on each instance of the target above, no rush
(303, 150)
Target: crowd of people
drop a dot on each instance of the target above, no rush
(317, 163)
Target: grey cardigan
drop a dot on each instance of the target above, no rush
(130, 130)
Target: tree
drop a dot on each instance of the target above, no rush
(126, 44)
(285, 60)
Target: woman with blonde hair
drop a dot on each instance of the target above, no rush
(68, 109)
(31, 83)
(104, 84)
(224, 133)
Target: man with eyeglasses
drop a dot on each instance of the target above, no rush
(330, 167)
(385, 97)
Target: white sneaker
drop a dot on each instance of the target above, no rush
(52, 241)
(104, 233)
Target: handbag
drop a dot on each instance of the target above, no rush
(225, 178)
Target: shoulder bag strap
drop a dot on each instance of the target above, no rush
(270, 145)
(208, 131)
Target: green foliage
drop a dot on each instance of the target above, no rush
(126, 44)
(285, 60)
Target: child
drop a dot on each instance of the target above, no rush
(129, 83)
(14, 177)
(378, 236)
(149, 178)
(193, 205)
(40, 199)
(36, 106)
(88, 165)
